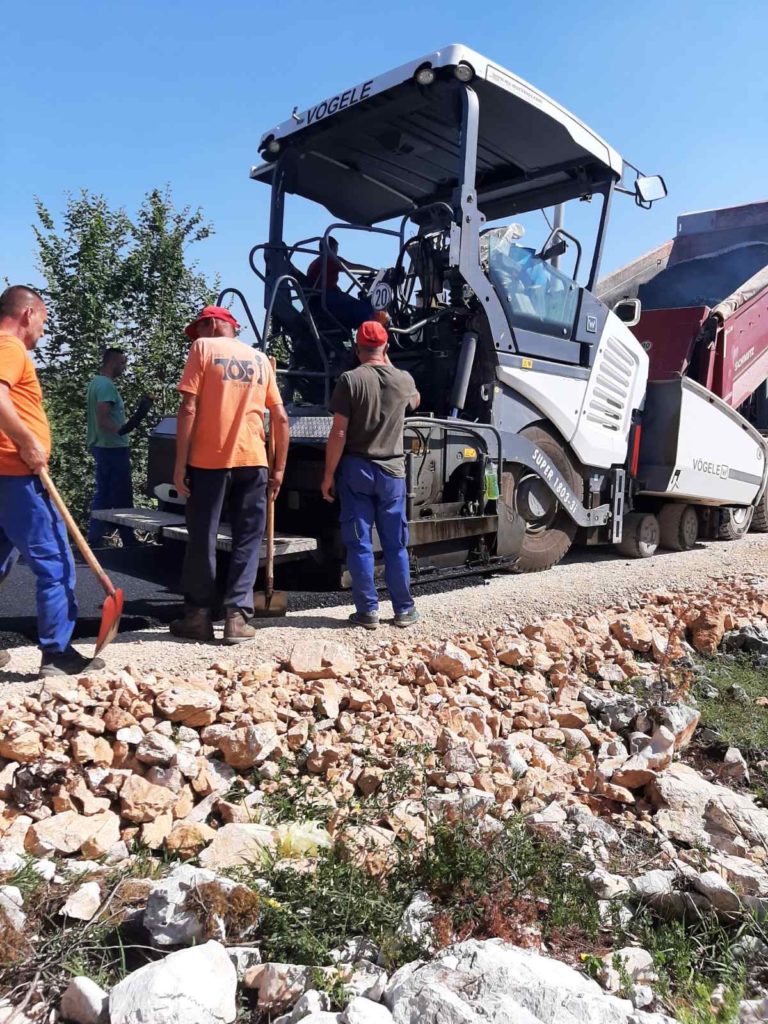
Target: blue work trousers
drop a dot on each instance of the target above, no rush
(31, 526)
(348, 310)
(369, 497)
(114, 489)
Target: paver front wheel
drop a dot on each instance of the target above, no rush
(549, 530)
(678, 526)
(641, 535)
(735, 522)
(760, 517)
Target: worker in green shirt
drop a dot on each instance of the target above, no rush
(108, 442)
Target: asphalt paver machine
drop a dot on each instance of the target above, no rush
(537, 422)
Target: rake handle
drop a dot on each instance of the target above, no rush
(74, 530)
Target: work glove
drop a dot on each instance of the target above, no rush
(142, 409)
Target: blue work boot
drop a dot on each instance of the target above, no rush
(68, 663)
(368, 620)
(406, 619)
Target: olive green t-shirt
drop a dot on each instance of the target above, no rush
(374, 398)
(102, 389)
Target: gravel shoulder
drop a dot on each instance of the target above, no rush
(587, 581)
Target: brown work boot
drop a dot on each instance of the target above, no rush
(196, 625)
(237, 629)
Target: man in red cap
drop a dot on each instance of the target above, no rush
(365, 465)
(220, 452)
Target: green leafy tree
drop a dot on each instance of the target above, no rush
(114, 281)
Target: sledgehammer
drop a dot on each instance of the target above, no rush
(272, 604)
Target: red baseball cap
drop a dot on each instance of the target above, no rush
(372, 334)
(211, 313)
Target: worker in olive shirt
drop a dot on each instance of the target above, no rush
(108, 442)
(365, 465)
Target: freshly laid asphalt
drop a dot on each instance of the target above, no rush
(148, 575)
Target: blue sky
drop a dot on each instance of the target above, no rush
(121, 97)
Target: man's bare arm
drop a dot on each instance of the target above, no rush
(30, 449)
(278, 419)
(104, 418)
(185, 423)
(334, 450)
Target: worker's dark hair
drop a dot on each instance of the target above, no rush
(16, 298)
(110, 353)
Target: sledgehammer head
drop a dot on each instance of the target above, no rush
(270, 606)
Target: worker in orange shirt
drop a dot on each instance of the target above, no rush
(220, 452)
(29, 524)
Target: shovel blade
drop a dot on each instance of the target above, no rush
(110, 619)
(270, 606)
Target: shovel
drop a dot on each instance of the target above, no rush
(272, 604)
(113, 603)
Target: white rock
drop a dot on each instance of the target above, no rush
(653, 884)
(9, 1014)
(718, 892)
(451, 661)
(735, 766)
(692, 809)
(167, 918)
(44, 868)
(321, 1017)
(613, 914)
(364, 1011)
(748, 877)
(605, 885)
(243, 958)
(753, 1011)
(550, 821)
(494, 983)
(197, 984)
(11, 902)
(311, 1002)
(366, 980)
(591, 826)
(635, 964)
(238, 846)
(10, 862)
(354, 949)
(641, 995)
(83, 903)
(416, 924)
(132, 734)
(84, 1002)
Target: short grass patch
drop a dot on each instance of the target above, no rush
(732, 711)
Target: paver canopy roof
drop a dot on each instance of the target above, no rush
(387, 146)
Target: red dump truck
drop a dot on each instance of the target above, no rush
(702, 312)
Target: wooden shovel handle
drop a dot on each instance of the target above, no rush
(74, 531)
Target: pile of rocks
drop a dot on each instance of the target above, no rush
(469, 983)
(575, 724)
(513, 720)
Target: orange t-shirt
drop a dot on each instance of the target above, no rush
(234, 383)
(18, 371)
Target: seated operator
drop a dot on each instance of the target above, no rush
(349, 311)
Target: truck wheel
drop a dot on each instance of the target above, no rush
(678, 527)
(735, 522)
(640, 535)
(549, 530)
(760, 518)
